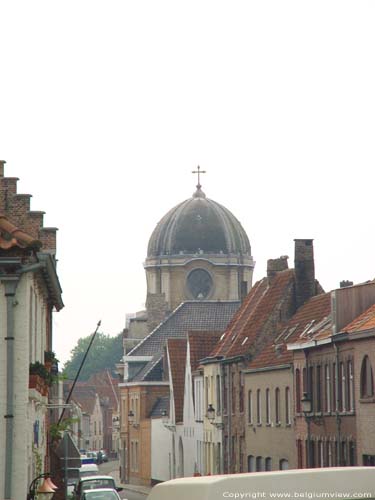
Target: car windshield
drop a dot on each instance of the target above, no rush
(93, 484)
(100, 495)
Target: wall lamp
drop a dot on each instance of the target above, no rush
(165, 420)
(45, 491)
(211, 415)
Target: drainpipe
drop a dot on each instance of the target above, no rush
(10, 286)
(338, 419)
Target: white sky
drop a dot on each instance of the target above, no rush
(106, 108)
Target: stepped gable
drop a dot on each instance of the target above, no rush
(256, 315)
(26, 225)
(364, 322)
(200, 345)
(177, 362)
(313, 318)
(11, 236)
(188, 316)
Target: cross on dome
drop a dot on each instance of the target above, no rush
(199, 172)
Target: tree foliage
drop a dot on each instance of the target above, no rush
(104, 353)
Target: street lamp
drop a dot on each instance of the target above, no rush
(131, 417)
(45, 491)
(211, 413)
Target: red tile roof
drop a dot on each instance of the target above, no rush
(177, 359)
(11, 236)
(365, 321)
(311, 321)
(201, 344)
(252, 319)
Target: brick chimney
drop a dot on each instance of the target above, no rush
(276, 265)
(304, 270)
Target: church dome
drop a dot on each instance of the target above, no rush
(198, 225)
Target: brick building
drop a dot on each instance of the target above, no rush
(29, 293)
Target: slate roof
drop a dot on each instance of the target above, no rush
(152, 371)
(312, 320)
(188, 316)
(254, 315)
(198, 225)
(364, 322)
(11, 236)
(177, 359)
(161, 404)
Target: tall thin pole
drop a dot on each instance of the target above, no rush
(79, 371)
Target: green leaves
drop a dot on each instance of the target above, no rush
(104, 353)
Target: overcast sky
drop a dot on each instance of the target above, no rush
(106, 108)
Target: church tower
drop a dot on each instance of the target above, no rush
(198, 251)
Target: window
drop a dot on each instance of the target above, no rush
(233, 393)
(342, 387)
(251, 463)
(298, 391)
(287, 406)
(367, 379)
(310, 385)
(268, 464)
(327, 389)
(268, 404)
(218, 395)
(258, 462)
(350, 384)
(334, 378)
(259, 416)
(250, 406)
(277, 405)
(318, 389)
(225, 390)
(241, 393)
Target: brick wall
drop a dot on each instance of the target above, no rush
(16, 207)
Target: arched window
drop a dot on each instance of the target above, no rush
(268, 405)
(367, 379)
(298, 391)
(251, 463)
(268, 464)
(277, 405)
(259, 415)
(250, 407)
(287, 406)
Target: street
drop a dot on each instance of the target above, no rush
(111, 467)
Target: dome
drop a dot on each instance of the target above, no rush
(198, 225)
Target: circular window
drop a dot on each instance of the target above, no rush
(199, 283)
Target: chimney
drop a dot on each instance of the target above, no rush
(276, 265)
(304, 271)
(345, 283)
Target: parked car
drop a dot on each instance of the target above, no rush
(102, 494)
(88, 483)
(88, 470)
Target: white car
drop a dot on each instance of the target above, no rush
(89, 483)
(101, 494)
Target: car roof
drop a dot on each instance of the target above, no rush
(96, 477)
(102, 490)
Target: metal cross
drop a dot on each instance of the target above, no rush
(199, 172)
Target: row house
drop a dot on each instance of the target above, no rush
(334, 395)
(270, 304)
(29, 293)
(145, 381)
(184, 418)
